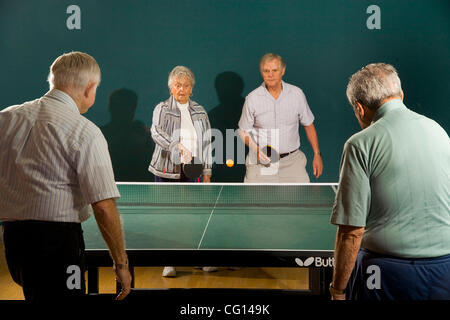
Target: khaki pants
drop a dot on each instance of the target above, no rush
(290, 169)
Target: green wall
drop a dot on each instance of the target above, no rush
(137, 43)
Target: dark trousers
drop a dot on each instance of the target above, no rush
(378, 277)
(46, 259)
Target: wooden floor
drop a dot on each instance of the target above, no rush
(187, 277)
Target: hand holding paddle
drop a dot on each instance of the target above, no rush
(262, 157)
(193, 169)
(270, 155)
(186, 155)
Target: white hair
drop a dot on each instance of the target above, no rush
(373, 84)
(73, 70)
(181, 71)
(269, 57)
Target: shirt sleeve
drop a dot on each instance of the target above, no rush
(305, 115)
(207, 147)
(95, 172)
(352, 203)
(247, 117)
(165, 141)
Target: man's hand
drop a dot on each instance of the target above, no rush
(338, 296)
(262, 157)
(317, 165)
(123, 276)
(253, 146)
(108, 221)
(311, 134)
(348, 242)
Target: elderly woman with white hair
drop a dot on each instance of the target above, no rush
(181, 131)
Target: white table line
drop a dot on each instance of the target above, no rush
(122, 183)
(209, 219)
(334, 187)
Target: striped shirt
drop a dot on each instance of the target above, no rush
(54, 161)
(166, 131)
(276, 121)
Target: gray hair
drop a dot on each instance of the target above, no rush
(73, 70)
(373, 84)
(271, 56)
(181, 71)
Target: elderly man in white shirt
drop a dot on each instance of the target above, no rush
(271, 117)
(54, 164)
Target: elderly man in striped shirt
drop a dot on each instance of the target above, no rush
(54, 164)
(270, 117)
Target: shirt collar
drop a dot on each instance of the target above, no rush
(63, 97)
(388, 107)
(173, 104)
(284, 89)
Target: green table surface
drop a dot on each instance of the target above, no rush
(223, 217)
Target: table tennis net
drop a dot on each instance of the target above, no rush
(226, 195)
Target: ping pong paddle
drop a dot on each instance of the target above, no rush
(271, 153)
(193, 169)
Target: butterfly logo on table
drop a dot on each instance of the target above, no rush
(319, 262)
(309, 261)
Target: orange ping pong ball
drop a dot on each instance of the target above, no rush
(229, 163)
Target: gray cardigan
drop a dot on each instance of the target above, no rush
(166, 160)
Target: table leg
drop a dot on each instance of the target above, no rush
(319, 280)
(92, 279)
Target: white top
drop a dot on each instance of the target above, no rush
(188, 135)
(54, 161)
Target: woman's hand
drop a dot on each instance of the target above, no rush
(186, 155)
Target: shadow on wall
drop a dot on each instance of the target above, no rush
(129, 141)
(229, 86)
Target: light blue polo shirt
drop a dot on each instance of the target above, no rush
(395, 182)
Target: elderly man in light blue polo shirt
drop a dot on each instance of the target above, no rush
(270, 117)
(393, 201)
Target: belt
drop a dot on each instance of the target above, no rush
(282, 155)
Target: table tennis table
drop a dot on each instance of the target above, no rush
(232, 224)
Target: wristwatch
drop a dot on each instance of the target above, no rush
(335, 292)
(119, 266)
(318, 153)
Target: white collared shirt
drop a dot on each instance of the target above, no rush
(54, 161)
(276, 121)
